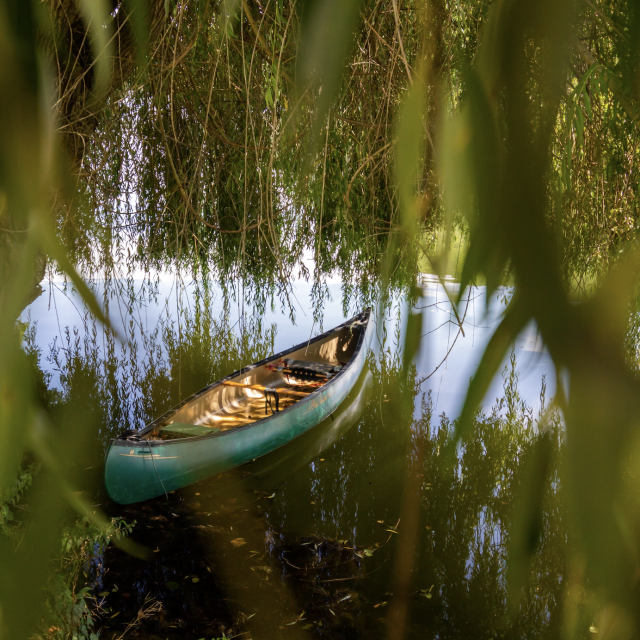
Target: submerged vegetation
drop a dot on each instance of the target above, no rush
(252, 143)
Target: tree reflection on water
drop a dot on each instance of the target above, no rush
(306, 536)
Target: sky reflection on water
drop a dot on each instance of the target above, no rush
(304, 537)
(446, 361)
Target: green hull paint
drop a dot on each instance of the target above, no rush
(137, 471)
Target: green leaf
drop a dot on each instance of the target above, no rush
(409, 152)
(326, 39)
(99, 24)
(579, 121)
(514, 321)
(527, 519)
(587, 104)
(50, 242)
(140, 26)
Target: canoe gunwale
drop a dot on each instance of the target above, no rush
(364, 317)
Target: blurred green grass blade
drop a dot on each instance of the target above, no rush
(21, 37)
(139, 19)
(514, 321)
(488, 247)
(327, 28)
(602, 418)
(53, 247)
(608, 309)
(25, 571)
(411, 341)
(16, 388)
(17, 289)
(38, 443)
(455, 169)
(15, 405)
(409, 152)
(99, 23)
(490, 254)
(471, 169)
(527, 519)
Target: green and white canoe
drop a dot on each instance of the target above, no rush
(241, 417)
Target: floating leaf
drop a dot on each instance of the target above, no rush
(238, 542)
(262, 568)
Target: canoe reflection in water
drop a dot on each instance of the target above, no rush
(242, 417)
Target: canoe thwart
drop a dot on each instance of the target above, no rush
(259, 387)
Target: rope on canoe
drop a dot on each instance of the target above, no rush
(154, 467)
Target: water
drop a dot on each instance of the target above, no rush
(306, 540)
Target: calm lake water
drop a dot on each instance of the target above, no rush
(304, 542)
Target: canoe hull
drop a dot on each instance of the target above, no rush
(137, 470)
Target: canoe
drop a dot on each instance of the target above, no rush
(270, 471)
(237, 419)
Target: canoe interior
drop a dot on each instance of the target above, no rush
(231, 403)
